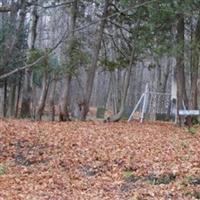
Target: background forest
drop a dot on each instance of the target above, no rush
(63, 58)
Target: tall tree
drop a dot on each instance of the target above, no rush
(84, 105)
(118, 116)
(13, 22)
(63, 105)
(27, 89)
(180, 69)
(195, 66)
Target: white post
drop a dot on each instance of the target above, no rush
(138, 103)
(146, 93)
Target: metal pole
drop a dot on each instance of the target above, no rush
(138, 103)
(145, 102)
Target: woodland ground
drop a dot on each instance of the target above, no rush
(94, 160)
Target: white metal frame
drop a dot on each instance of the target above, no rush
(144, 99)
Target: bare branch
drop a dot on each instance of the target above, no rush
(20, 69)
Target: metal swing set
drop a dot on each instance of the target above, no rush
(156, 102)
(151, 102)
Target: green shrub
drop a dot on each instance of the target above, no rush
(192, 130)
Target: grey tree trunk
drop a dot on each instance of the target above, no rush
(84, 105)
(12, 39)
(27, 89)
(19, 88)
(118, 116)
(195, 67)
(5, 98)
(52, 98)
(11, 101)
(180, 73)
(43, 96)
(63, 106)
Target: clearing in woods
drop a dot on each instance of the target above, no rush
(93, 160)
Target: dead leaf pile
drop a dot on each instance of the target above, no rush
(94, 161)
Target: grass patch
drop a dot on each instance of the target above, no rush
(2, 170)
(158, 180)
(192, 130)
(128, 176)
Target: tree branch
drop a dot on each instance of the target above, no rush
(53, 5)
(65, 35)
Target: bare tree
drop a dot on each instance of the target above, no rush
(118, 116)
(63, 106)
(84, 105)
(43, 96)
(52, 97)
(27, 89)
(195, 66)
(180, 72)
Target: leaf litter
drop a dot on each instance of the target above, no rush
(94, 160)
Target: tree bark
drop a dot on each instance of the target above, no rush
(43, 97)
(19, 88)
(63, 106)
(5, 98)
(195, 67)
(180, 72)
(84, 105)
(27, 89)
(118, 116)
(27, 95)
(11, 101)
(12, 39)
(52, 98)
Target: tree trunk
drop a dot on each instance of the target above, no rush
(12, 39)
(11, 102)
(195, 67)
(52, 97)
(84, 105)
(5, 98)
(114, 93)
(106, 97)
(118, 116)
(19, 87)
(43, 96)
(63, 106)
(27, 89)
(180, 72)
(27, 95)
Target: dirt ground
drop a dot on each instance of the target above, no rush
(98, 161)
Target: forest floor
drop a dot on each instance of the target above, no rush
(98, 161)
